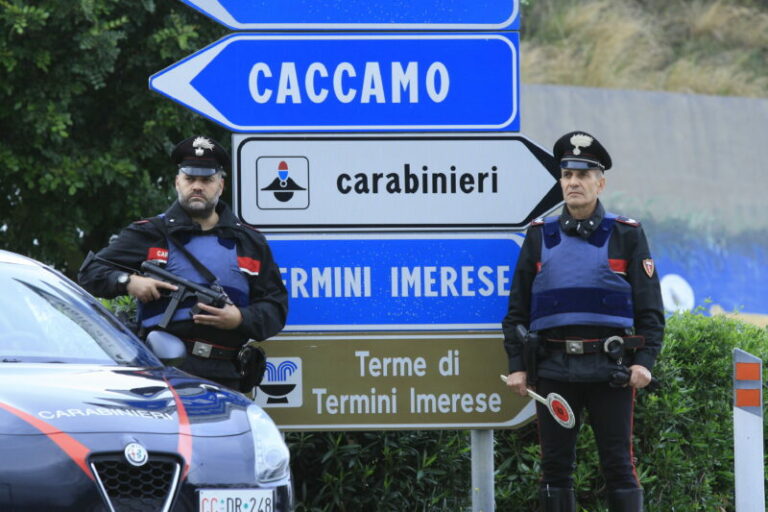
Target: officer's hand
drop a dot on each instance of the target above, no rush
(228, 317)
(147, 289)
(640, 376)
(518, 381)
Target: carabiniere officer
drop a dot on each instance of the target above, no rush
(197, 226)
(586, 321)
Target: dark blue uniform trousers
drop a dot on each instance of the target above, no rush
(610, 414)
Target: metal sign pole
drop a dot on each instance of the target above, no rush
(482, 471)
(748, 432)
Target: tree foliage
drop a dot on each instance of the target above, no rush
(83, 141)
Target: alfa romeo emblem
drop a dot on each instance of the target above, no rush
(136, 454)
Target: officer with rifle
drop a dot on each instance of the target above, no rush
(198, 273)
(585, 321)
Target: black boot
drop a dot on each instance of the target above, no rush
(557, 499)
(625, 500)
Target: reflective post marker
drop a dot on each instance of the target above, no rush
(748, 432)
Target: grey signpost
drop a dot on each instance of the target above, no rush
(376, 145)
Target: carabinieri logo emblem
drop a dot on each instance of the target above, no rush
(648, 266)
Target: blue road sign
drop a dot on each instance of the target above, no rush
(362, 14)
(396, 282)
(351, 82)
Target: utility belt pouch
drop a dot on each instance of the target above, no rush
(251, 362)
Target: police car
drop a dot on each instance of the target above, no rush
(92, 420)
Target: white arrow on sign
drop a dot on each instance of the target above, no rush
(390, 182)
(178, 84)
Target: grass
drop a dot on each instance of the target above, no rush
(717, 47)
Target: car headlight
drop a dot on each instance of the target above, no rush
(271, 453)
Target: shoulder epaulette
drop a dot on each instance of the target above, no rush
(244, 225)
(144, 221)
(627, 221)
(540, 221)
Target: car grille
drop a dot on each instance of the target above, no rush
(127, 488)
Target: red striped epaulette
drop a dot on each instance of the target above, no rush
(142, 221)
(538, 221)
(627, 221)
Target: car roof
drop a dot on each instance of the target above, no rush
(12, 257)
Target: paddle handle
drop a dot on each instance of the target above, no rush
(537, 397)
(531, 393)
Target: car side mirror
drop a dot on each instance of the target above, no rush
(167, 347)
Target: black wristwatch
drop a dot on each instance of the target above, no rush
(122, 281)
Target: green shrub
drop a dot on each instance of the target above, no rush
(683, 443)
(370, 471)
(684, 432)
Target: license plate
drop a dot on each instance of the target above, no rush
(236, 500)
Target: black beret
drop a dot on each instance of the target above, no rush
(200, 156)
(580, 150)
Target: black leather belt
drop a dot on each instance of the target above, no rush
(205, 350)
(579, 346)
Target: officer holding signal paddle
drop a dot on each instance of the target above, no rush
(585, 321)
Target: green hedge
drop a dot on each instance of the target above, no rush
(683, 443)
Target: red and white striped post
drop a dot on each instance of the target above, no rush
(748, 432)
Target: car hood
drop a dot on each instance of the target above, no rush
(52, 398)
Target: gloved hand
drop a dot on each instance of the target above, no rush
(620, 378)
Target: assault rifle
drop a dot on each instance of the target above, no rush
(214, 296)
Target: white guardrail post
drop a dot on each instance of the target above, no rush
(748, 432)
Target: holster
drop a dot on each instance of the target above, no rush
(531, 349)
(251, 362)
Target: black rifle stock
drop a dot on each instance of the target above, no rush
(184, 290)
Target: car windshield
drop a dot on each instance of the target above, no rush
(46, 318)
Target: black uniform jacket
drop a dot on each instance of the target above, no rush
(263, 317)
(627, 242)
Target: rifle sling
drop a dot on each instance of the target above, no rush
(207, 274)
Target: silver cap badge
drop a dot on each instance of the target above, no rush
(579, 141)
(201, 144)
